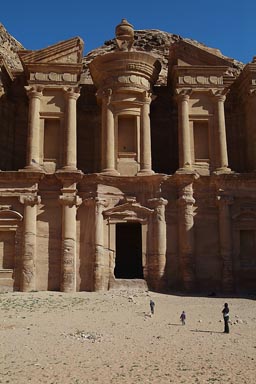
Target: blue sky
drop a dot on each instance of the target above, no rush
(228, 24)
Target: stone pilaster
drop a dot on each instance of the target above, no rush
(71, 95)
(108, 135)
(99, 262)
(156, 257)
(186, 236)
(33, 145)
(185, 159)
(68, 261)
(145, 137)
(225, 237)
(28, 268)
(220, 129)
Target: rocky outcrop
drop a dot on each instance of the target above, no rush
(9, 47)
(157, 43)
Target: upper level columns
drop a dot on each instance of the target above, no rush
(220, 129)
(72, 95)
(108, 135)
(28, 268)
(145, 140)
(33, 150)
(185, 160)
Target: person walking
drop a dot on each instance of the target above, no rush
(152, 307)
(225, 313)
(183, 317)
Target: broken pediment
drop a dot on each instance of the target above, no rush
(65, 52)
(185, 53)
(130, 211)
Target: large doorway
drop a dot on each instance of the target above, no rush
(128, 264)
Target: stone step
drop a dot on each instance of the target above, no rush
(129, 284)
(6, 274)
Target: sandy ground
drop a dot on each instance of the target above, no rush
(56, 338)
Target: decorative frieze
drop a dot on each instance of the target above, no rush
(200, 80)
(54, 77)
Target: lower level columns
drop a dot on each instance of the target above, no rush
(28, 267)
(224, 203)
(186, 236)
(156, 255)
(68, 260)
(100, 268)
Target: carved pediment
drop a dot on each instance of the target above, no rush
(9, 215)
(65, 52)
(245, 215)
(130, 211)
(187, 53)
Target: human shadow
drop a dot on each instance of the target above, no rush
(204, 331)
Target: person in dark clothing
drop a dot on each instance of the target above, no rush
(152, 307)
(183, 317)
(225, 313)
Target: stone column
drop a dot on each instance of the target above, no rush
(186, 236)
(108, 135)
(156, 257)
(28, 269)
(100, 281)
(71, 157)
(220, 127)
(225, 237)
(33, 150)
(184, 129)
(145, 139)
(68, 262)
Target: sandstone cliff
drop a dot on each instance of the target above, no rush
(8, 49)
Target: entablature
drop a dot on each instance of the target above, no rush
(199, 77)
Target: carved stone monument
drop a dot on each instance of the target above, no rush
(133, 166)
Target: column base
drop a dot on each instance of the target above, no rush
(68, 168)
(186, 169)
(219, 171)
(32, 168)
(110, 172)
(145, 172)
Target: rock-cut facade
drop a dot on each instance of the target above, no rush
(133, 166)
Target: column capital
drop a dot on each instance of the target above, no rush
(224, 200)
(70, 200)
(34, 91)
(105, 95)
(72, 92)
(147, 97)
(219, 94)
(157, 201)
(183, 94)
(30, 200)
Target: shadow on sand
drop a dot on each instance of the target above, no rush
(197, 330)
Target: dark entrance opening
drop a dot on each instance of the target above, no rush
(128, 251)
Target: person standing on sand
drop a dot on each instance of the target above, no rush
(152, 307)
(183, 317)
(225, 313)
